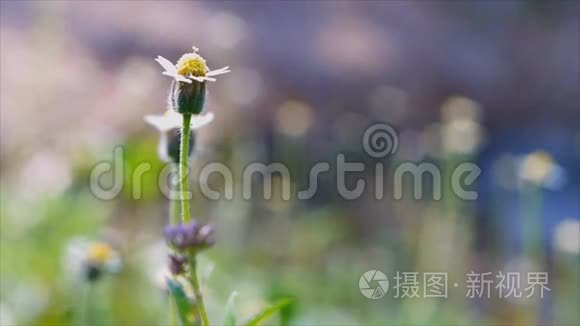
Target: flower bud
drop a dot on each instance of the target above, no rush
(169, 125)
(176, 264)
(93, 272)
(188, 98)
(169, 145)
(189, 236)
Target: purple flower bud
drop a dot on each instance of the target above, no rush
(206, 234)
(176, 264)
(189, 236)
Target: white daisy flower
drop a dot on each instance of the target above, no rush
(172, 120)
(191, 66)
(169, 125)
(88, 260)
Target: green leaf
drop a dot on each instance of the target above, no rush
(230, 314)
(268, 311)
(183, 303)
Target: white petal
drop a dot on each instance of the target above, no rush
(166, 64)
(154, 120)
(162, 148)
(169, 120)
(220, 71)
(182, 79)
(198, 121)
(199, 79)
(209, 78)
(177, 77)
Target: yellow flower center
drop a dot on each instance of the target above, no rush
(100, 253)
(191, 64)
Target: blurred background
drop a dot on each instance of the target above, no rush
(494, 83)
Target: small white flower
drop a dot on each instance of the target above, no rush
(82, 255)
(172, 120)
(191, 66)
(541, 169)
(168, 125)
(566, 236)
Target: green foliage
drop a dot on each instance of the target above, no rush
(268, 312)
(185, 306)
(230, 315)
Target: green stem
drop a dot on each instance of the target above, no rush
(82, 317)
(185, 212)
(197, 291)
(174, 206)
(532, 223)
(183, 171)
(173, 311)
